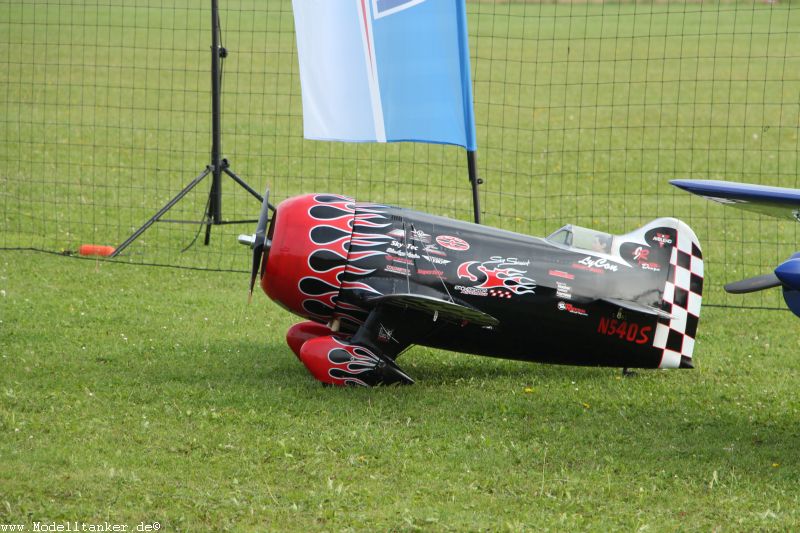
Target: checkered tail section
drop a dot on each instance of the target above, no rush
(682, 297)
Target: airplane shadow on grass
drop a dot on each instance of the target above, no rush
(274, 363)
(677, 417)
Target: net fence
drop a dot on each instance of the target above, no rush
(584, 112)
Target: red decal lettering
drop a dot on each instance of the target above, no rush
(633, 329)
(627, 331)
(644, 335)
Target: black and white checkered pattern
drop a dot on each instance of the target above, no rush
(682, 298)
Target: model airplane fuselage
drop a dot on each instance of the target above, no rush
(374, 280)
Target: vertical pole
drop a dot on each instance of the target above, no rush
(215, 205)
(472, 165)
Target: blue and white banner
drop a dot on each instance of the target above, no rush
(385, 70)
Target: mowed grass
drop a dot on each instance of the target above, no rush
(133, 394)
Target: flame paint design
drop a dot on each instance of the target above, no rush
(496, 274)
(330, 226)
(348, 362)
(463, 271)
(344, 236)
(368, 241)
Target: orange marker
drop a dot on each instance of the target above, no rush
(95, 249)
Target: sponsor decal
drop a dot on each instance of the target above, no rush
(498, 273)
(432, 249)
(641, 256)
(513, 261)
(478, 291)
(421, 236)
(398, 244)
(627, 331)
(429, 272)
(397, 270)
(563, 290)
(435, 260)
(596, 265)
(568, 307)
(471, 291)
(452, 243)
(401, 253)
(400, 260)
(561, 274)
(402, 250)
(414, 235)
(385, 334)
(662, 239)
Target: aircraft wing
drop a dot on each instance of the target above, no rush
(437, 307)
(638, 308)
(779, 202)
(399, 320)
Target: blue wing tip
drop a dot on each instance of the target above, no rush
(681, 184)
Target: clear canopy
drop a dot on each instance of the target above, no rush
(582, 238)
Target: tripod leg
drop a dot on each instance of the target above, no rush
(207, 238)
(163, 210)
(214, 207)
(245, 186)
(243, 183)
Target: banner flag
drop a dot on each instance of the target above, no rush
(385, 71)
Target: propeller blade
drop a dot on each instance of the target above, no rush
(259, 242)
(257, 253)
(758, 283)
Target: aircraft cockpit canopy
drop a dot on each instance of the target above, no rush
(582, 238)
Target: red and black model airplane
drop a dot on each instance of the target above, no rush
(373, 280)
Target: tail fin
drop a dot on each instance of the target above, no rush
(683, 289)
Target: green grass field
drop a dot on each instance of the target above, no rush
(133, 394)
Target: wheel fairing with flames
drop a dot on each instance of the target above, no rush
(385, 278)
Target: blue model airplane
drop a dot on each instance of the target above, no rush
(778, 202)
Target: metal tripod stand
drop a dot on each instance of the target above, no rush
(218, 165)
